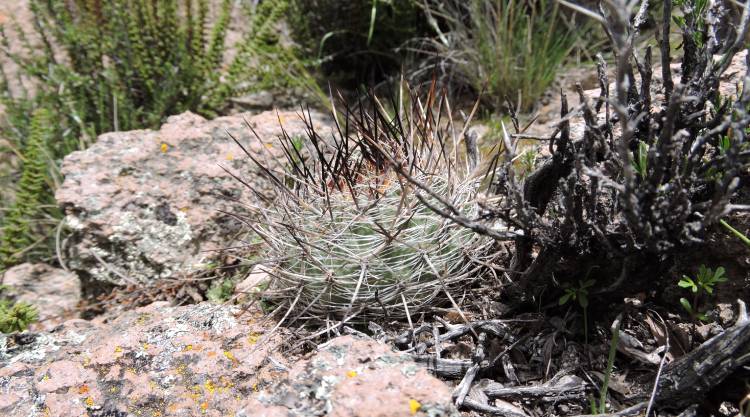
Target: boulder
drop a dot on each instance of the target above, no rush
(206, 360)
(352, 377)
(147, 205)
(156, 360)
(54, 292)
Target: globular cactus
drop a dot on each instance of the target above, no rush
(350, 239)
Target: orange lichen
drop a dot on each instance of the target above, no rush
(204, 406)
(89, 402)
(164, 147)
(83, 389)
(351, 374)
(187, 348)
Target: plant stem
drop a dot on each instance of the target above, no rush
(610, 363)
(736, 232)
(586, 325)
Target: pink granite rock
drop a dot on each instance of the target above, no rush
(352, 377)
(146, 205)
(156, 360)
(54, 292)
(201, 360)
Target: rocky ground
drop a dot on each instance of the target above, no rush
(149, 209)
(205, 359)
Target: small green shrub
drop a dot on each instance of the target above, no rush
(511, 49)
(20, 228)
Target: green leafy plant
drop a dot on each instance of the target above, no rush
(724, 144)
(703, 283)
(130, 64)
(221, 290)
(580, 294)
(508, 48)
(15, 316)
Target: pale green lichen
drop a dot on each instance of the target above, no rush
(142, 248)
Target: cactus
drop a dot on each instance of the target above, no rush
(349, 239)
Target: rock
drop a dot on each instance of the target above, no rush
(726, 313)
(156, 360)
(202, 360)
(147, 205)
(353, 377)
(549, 114)
(257, 100)
(54, 292)
(707, 330)
(253, 283)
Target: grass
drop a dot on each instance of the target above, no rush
(355, 42)
(509, 49)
